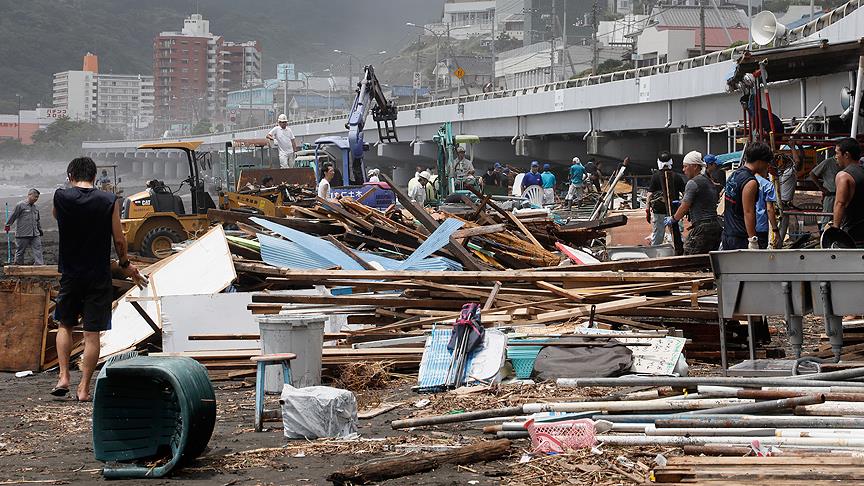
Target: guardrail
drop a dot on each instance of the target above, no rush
(793, 35)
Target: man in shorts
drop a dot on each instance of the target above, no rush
(87, 219)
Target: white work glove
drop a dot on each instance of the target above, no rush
(753, 243)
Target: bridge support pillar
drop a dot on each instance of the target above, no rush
(137, 166)
(159, 168)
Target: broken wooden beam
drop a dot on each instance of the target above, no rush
(417, 463)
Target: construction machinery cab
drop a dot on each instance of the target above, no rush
(350, 178)
(156, 218)
(447, 145)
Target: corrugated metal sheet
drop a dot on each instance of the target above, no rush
(303, 251)
(685, 16)
(435, 241)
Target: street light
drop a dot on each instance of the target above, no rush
(359, 61)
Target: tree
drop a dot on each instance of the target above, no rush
(202, 127)
(65, 136)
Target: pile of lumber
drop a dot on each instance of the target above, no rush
(745, 470)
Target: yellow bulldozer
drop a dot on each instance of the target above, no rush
(154, 219)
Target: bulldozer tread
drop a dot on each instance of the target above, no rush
(157, 236)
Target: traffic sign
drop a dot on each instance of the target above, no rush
(459, 72)
(417, 80)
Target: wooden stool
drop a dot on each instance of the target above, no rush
(263, 362)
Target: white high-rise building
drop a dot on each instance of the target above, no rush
(123, 102)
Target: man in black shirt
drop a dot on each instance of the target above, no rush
(87, 219)
(740, 196)
(657, 195)
(849, 202)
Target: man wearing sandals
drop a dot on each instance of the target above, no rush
(87, 219)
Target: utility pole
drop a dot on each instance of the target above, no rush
(594, 53)
(417, 66)
(494, 54)
(449, 60)
(19, 117)
(702, 27)
(554, 19)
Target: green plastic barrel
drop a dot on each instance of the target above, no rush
(151, 414)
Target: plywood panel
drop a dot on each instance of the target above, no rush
(22, 325)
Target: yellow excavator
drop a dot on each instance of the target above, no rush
(154, 219)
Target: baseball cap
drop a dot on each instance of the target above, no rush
(710, 159)
(497, 165)
(282, 118)
(425, 175)
(546, 166)
(576, 160)
(460, 149)
(534, 163)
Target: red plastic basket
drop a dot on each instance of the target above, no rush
(560, 436)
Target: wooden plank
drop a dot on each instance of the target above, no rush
(319, 275)
(380, 409)
(327, 352)
(31, 271)
(23, 318)
(559, 291)
(478, 230)
(348, 251)
(664, 263)
(610, 307)
(426, 219)
(491, 299)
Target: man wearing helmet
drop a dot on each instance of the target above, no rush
(284, 138)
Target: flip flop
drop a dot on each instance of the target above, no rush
(59, 391)
(79, 400)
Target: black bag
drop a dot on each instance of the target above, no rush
(611, 359)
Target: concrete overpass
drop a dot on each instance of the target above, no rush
(636, 112)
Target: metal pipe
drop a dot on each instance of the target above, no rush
(453, 418)
(740, 451)
(832, 409)
(652, 430)
(668, 115)
(857, 103)
(776, 394)
(590, 124)
(631, 406)
(807, 118)
(681, 420)
(512, 434)
(633, 440)
(694, 381)
(767, 406)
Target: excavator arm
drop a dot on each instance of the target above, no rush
(384, 113)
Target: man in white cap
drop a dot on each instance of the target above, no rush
(285, 140)
(459, 168)
(577, 182)
(699, 203)
(417, 192)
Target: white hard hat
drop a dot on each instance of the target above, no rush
(425, 175)
(576, 160)
(282, 118)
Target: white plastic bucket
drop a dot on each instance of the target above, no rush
(302, 335)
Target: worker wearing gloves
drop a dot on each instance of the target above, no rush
(849, 201)
(699, 203)
(417, 192)
(548, 181)
(741, 195)
(28, 230)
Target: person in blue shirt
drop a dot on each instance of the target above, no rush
(548, 182)
(765, 215)
(577, 182)
(532, 178)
